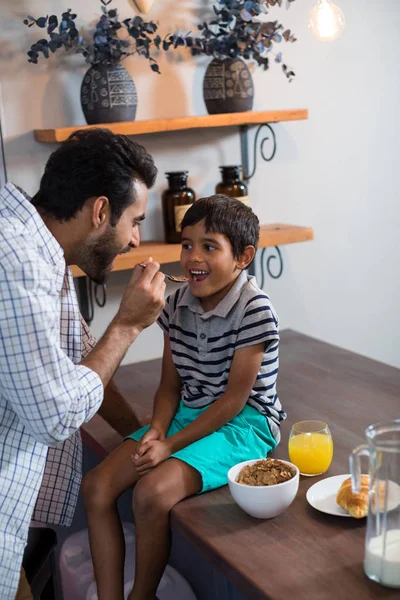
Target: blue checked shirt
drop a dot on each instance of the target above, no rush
(45, 395)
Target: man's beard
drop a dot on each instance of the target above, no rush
(97, 257)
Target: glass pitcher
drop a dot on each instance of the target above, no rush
(382, 543)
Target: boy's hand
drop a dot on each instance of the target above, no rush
(152, 434)
(154, 452)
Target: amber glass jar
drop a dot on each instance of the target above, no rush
(232, 185)
(176, 200)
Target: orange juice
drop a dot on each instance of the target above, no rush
(311, 452)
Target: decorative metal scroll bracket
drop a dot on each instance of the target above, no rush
(244, 148)
(266, 263)
(90, 293)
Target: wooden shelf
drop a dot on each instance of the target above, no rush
(155, 126)
(270, 235)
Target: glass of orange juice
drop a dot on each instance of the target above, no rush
(311, 447)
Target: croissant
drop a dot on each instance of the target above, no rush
(355, 504)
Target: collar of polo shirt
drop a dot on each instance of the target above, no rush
(222, 309)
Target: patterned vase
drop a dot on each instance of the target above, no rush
(108, 95)
(228, 86)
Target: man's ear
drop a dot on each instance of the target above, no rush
(100, 211)
(246, 257)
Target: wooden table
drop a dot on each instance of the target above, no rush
(302, 554)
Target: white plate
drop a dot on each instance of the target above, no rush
(322, 495)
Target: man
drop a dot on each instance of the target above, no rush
(88, 209)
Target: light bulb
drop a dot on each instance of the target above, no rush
(326, 21)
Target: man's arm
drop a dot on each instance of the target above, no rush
(142, 302)
(51, 395)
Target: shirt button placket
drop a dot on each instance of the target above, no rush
(202, 339)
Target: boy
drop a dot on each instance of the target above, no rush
(216, 404)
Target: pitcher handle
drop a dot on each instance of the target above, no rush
(355, 466)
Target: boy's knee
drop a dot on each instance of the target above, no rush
(150, 496)
(94, 491)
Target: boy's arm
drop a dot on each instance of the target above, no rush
(167, 397)
(245, 367)
(166, 401)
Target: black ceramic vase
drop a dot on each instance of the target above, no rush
(228, 86)
(108, 95)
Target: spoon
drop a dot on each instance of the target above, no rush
(174, 278)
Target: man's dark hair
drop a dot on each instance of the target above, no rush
(226, 215)
(91, 163)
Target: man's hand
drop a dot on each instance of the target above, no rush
(154, 453)
(143, 299)
(140, 306)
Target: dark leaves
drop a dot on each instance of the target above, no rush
(237, 31)
(234, 31)
(107, 46)
(52, 24)
(288, 36)
(288, 72)
(41, 22)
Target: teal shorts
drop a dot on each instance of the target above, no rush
(246, 437)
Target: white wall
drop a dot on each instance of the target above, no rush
(337, 172)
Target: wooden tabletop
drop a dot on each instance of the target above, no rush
(302, 554)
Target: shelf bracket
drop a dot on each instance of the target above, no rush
(244, 148)
(265, 264)
(83, 299)
(89, 293)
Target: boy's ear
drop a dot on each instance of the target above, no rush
(246, 257)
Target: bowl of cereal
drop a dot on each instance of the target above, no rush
(264, 488)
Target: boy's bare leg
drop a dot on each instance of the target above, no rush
(101, 488)
(154, 496)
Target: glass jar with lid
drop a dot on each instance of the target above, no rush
(176, 200)
(232, 185)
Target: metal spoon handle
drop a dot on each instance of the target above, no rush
(175, 279)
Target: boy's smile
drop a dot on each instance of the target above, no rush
(207, 260)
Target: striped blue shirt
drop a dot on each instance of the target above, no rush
(203, 345)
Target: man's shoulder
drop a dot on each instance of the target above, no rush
(20, 254)
(16, 242)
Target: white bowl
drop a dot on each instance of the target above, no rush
(263, 501)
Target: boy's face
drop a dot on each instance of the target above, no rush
(207, 260)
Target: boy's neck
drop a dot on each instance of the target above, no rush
(209, 303)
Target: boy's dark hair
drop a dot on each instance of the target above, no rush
(93, 162)
(226, 215)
